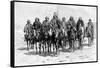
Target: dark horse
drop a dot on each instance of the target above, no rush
(52, 40)
(71, 37)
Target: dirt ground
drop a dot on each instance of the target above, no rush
(24, 57)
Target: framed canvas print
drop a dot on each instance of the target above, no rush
(53, 33)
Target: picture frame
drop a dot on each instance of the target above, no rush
(13, 17)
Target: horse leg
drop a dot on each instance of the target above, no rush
(36, 47)
(27, 45)
(40, 47)
(89, 41)
(80, 41)
(32, 44)
(47, 46)
(56, 48)
(50, 46)
(53, 47)
(43, 45)
(73, 47)
(70, 45)
(29, 42)
(92, 38)
(57, 45)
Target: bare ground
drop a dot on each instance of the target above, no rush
(24, 57)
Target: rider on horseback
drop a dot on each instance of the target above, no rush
(71, 21)
(45, 24)
(45, 29)
(71, 31)
(28, 33)
(64, 23)
(37, 24)
(62, 35)
(55, 22)
(55, 27)
(79, 22)
(90, 30)
(37, 29)
(80, 31)
(27, 28)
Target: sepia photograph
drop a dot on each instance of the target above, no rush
(53, 33)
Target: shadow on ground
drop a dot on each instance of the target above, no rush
(22, 48)
(65, 50)
(44, 54)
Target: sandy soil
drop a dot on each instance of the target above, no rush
(24, 57)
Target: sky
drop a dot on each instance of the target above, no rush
(29, 11)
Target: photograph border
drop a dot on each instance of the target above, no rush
(12, 27)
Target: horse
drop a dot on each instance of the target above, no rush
(52, 40)
(28, 39)
(37, 41)
(71, 37)
(60, 39)
(28, 34)
(45, 40)
(64, 37)
(80, 35)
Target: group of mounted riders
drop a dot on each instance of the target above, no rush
(55, 33)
